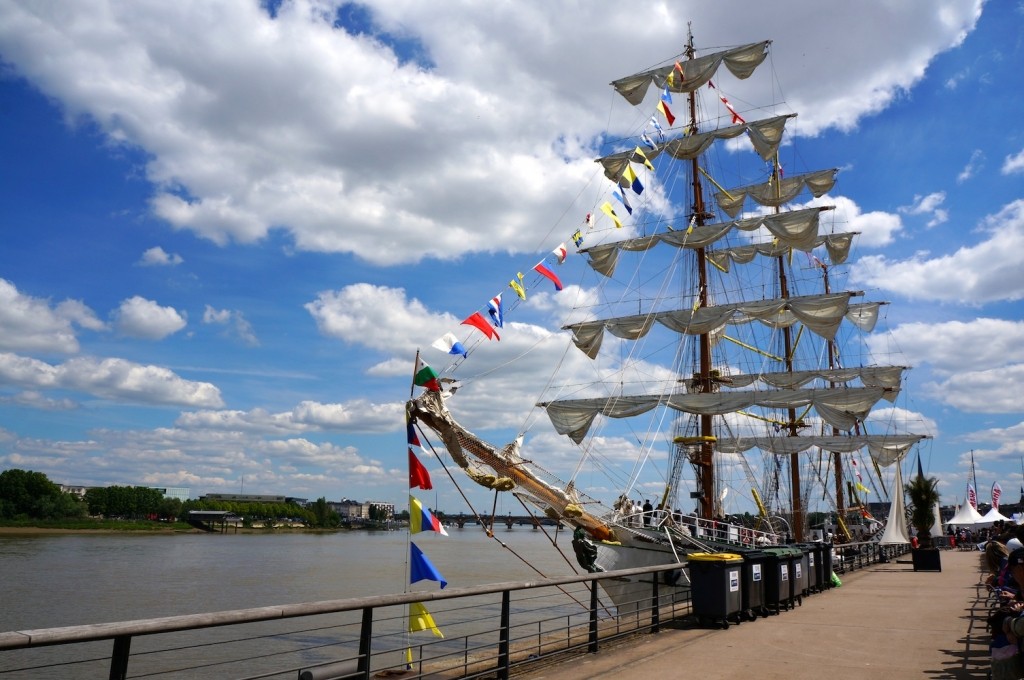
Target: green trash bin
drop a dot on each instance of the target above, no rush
(811, 577)
(776, 580)
(716, 587)
(797, 574)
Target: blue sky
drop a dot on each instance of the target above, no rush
(226, 229)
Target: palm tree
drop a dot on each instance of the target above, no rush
(923, 496)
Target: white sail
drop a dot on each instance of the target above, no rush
(937, 530)
(896, 525)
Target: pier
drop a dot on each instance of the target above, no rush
(885, 621)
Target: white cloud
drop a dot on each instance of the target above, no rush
(115, 379)
(138, 317)
(157, 257)
(972, 275)
(1013, 163)
(354, 416)
(30, 324)
(236, 322)
(972, 167)
(36, 400)
(232, 158)
(928, 205)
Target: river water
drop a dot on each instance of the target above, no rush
(62, 580)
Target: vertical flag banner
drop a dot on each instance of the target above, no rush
(421, 569)
(477, 321)
(450, 344)
(426, 377)
(421, 519)
(420, 619)
(419, 478)
(997, 491)
(972, 496)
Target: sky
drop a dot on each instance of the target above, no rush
(227, 227)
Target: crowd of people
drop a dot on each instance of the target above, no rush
(1003, 559)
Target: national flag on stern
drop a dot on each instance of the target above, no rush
(421, 569)
(420, 619)
(419, 478)
(547, 274)
(421, 519)
(477, 321)
(425, 376)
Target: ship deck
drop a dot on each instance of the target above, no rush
(891, 622)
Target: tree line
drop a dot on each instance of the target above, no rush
(25, 494)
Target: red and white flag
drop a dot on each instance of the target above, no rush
(972, 496)
(997, 491)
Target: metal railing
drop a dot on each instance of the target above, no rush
(487, 630)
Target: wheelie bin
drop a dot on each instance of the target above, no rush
(777, 592)
(797, 574)
(811, 577)
(753, 601)
(716, 587)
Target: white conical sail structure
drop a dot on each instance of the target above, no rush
(896, 525)
(937, 530)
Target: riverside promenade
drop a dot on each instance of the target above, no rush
(886, 621)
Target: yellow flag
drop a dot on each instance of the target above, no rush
(607, 209)
(638, 152)
(517, 286)
(862, 488)
(420, 619)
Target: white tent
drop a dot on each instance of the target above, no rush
(966, 516)
(896, 526)
(991, 517)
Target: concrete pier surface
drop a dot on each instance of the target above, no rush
(885, 621)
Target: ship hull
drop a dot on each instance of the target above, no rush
(635, 594)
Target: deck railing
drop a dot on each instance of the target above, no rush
(487, 630)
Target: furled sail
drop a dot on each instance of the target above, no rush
(741, 62)
(765, 135)
(884, 448)
(841, 408)
(870, 376)
(776, 194)
(821, 313)
(798, 229)
(836, 245)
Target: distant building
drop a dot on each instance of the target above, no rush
(75, 490)
(182, 493)
(252, 498)
(347, 509)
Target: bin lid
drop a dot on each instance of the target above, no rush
(714, 557)
(783, 551)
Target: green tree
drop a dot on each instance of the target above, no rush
(923, 493)
(24, 493)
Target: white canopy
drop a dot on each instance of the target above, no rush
(966, 516)
(991, 517)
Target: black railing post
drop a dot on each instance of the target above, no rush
(655, 619)
(592, 646)
(119, 658)
(365, 638)
(503, 637)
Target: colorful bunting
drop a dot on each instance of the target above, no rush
(419, 478)
(589, 221)
(632, 180)
(646, 139)
(638, 152)
(577, 238)
(421, 569)
(661, 133)
(495, 310)
(621, 198)
(410, 434)
(666, 96)
(517, 286)
(667, 112)
(420, 619)
(425, 376)
(607, 209)
(477, 321)
(548, 274)
(560, 253)
(450, 344)
(421, 519)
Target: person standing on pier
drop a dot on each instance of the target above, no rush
(648, 512)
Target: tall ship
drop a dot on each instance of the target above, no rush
(718, 328)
